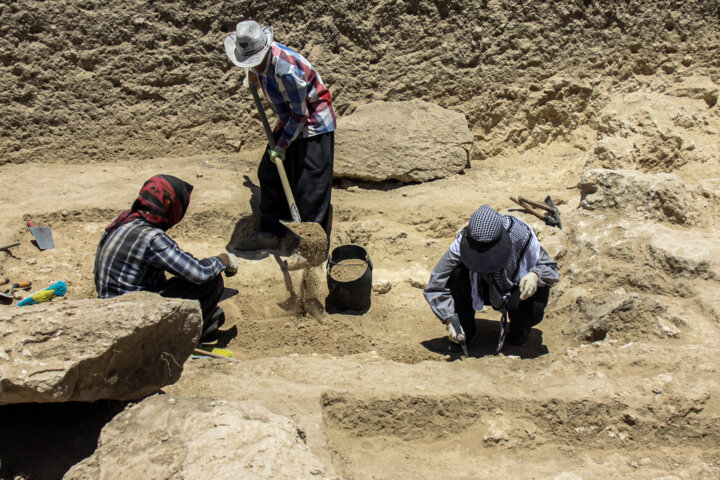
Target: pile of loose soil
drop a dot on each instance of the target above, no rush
(313, 241)
(348, 270)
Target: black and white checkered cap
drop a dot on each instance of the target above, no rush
(485, 244)
(485, 225)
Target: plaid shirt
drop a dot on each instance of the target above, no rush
(297, 95)
(136, 256)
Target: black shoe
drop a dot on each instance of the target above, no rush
(257, 241)
(518, 335)
(454, 348)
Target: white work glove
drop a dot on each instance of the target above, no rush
(528, 285)
(275, 153)
(453, 336)
(231, 263)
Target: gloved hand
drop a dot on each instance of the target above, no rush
(231, 263)
(275, 153)
(453, 336)
(528, 285)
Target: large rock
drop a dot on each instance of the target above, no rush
(171, 437)
(413, 141)
(620, 316)
(85, 350)
(658, 132)
(661, 196)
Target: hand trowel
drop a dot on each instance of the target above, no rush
(43, 236)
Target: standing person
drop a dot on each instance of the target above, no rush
(135, 252)
(304, 134)
(495, 260)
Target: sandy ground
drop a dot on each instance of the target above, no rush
(376, 393)
(621, 378)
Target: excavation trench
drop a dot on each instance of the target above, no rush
(457, 436)
(269, 312)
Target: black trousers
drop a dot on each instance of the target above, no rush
(525, 313)
(309, 167)
(208, 294)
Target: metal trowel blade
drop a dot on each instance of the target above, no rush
(43, 236)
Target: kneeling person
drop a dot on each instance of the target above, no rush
(495, 260)
(135, 252)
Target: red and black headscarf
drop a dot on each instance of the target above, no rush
(162, 201)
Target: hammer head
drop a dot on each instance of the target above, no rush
(553, 216)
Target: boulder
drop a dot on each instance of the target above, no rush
(661, 196)
(683, 254)
(620, 316)
(658, 132)
(85, 350)
(413, 141)
(170, 437)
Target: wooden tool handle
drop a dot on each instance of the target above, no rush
(535, 204)
(25, 284)
(278, 163)
(527, 208)
(3, 281)
(9, 245)
(199, 351)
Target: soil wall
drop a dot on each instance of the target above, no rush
(100, 80)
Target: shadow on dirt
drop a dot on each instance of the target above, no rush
(249, 224)
(485, 343)
(42, 441)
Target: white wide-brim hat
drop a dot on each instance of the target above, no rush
(249, 44)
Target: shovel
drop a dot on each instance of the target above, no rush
(43, 236)
(313, 240)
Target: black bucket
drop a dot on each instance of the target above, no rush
(353, 294)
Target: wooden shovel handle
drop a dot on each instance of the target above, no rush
(9, 245)
(280, 168)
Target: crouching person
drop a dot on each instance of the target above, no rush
(135, 252)
(495, 260)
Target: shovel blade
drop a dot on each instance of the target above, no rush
(43, 237)
(313, 241)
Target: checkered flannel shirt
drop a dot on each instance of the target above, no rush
(136, 256)
(297, 95)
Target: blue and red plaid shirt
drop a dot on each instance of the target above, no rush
(136, 255)
(297, 95)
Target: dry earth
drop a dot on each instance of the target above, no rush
(621, 378)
